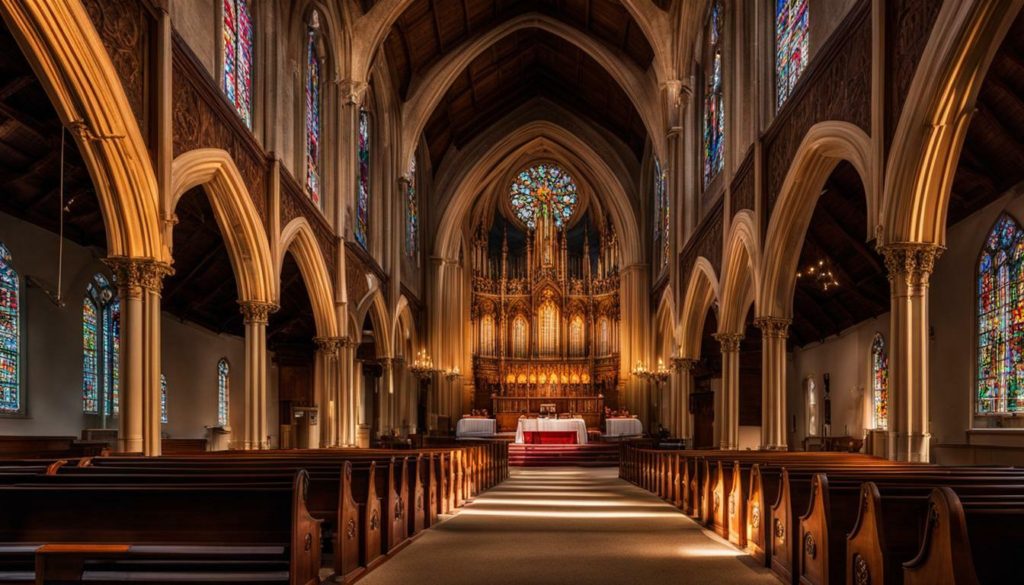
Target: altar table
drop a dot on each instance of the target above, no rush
(559, 428)
(475, 427)
(622, 427)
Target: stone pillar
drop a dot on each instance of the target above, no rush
(729, 435)
(386, 416)
(774, 332)
(329, 391)
(684, 378)
(139, 282)
(256, 315)
(910, 267)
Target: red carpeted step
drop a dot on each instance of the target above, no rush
(551, 455)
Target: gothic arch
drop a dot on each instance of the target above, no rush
(457, 192)
(666, 326)
(65, 51)
(823, 147)
(702, 293)
(298, 238)
(435, 82)
(371, 29)
(930, 133)
(373, 305)
(404, 328)
(240, 225)
(740, 282)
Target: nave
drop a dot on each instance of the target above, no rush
(561, 525)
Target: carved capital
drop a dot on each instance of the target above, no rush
(133, 276)
(910, 263)
(328, 345)
(773, 327)
(684, 364)
(730, 342)
(257, 311)
(352, 92)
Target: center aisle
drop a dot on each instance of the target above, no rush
(562, 526)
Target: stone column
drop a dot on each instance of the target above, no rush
(910, 267)
(774, 332)
(385, 417)
(256, 315)
(139, 282)
(328, 393)
(684, 377)
(729, 435)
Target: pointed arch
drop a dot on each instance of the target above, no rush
(823, 147)
(298, 238)
(666, 325)
(239, 222)
(702, 293)
(740, 273)
(939, 106)
(425, 96)
(74, 68)
(373, 305)
(404, 328)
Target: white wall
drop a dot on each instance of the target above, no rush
(847, 359)
(952, 350)
(52, 348)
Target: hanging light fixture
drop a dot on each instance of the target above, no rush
(819, 274)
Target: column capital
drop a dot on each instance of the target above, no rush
(257, 311)
(730, 342)
(773, 327)
(135, 275)
(386, 362)
(352, 91)
(684, 364)
(910, 262)
(329, 345)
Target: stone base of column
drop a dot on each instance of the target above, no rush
(913, 448)
(775, 448)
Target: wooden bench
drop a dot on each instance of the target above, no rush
(273, 537)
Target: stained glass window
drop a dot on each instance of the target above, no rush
(520, 333)
(363, 193)
(412, 214)
(163, 398)
(112, 352)
(487, 335)
(603, 336)
(101, 346)
(223, 391)
(544, 184)
(90, 356)
(1001, 320)
(879, 383)
(792, 49)
(314, 105)
(662, 220)
(238, 52)
(576, 336)
(10, 335)
(714, 97)
(547, 324)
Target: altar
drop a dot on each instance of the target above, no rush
(551, 430)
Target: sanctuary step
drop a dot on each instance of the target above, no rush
(589, 455)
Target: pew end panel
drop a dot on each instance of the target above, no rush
(943, 558)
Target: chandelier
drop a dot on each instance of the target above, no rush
(819, 274)
(658, 375)
(423, 365)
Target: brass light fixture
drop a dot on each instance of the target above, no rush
(819, 274)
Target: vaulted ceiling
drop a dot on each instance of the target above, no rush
(992, 159)
(30, 157)
(525, 65)
(836, 236)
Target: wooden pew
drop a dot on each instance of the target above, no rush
(969, 540)
(268, 525)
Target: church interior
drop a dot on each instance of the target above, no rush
(511, 291)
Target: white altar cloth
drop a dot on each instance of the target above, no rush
(475, 427)
(533, 425)
(622, 427)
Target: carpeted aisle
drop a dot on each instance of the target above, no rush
(563, 526)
